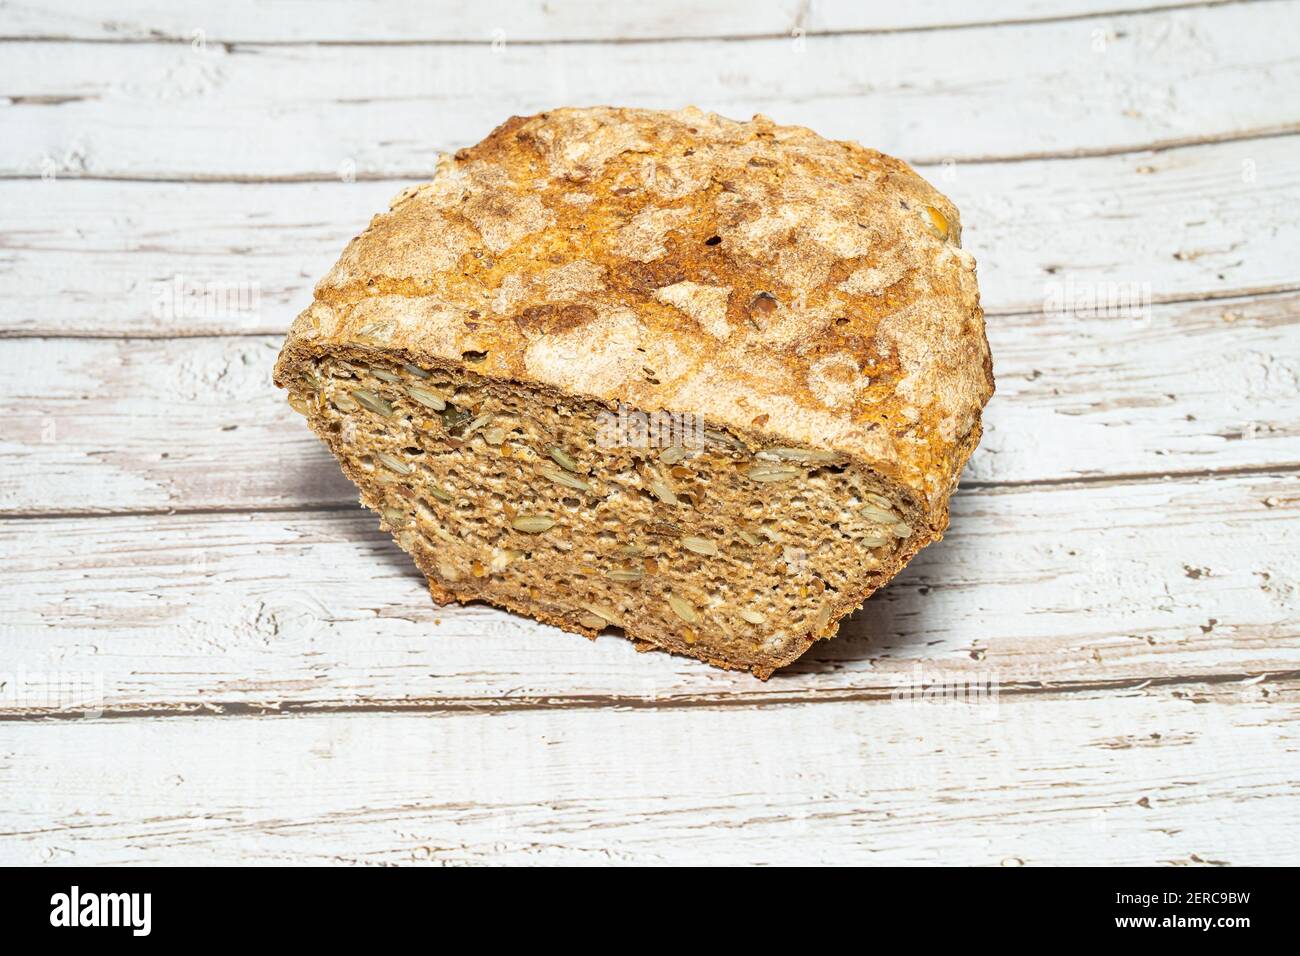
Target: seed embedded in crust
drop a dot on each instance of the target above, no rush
(593, 621)
(393, 463)
(426, 398)
(532, 524)
(373, 402)
(683, 609)
(299, 404)
(700, 545)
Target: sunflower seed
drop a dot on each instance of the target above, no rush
(878, 515)
(299, 404)
(563, 478)
(631, 550)
(396, 517)
(683, 609)
(613, 617)
(593, 621)
(415, 370)
(797, 454)
(753, 617)
(384, 375)
(661, 490)
(440, 493)
(393, 463)
(562, 458)
(772, 473)
(344, 403)
(625, 575)
(901, 529)
(749, 538)
(873, 540)
(532, 524)
(700, 545)
(373, 402)
(822, 619)
(880, 501)
(476, 424)
(722, 438)
(426, 398)
(673, 454)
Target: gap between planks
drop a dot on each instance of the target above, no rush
(1278, 131)
(798, 27)
(966, 487)
(723, 701)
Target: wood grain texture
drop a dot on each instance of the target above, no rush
(104, 425)
(373, 21)
(1190, 775)
(1093, 584)
(1058, 88)
(1192, 222)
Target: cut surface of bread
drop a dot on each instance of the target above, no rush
(708, 382)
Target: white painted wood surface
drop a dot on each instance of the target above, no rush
(268, 680)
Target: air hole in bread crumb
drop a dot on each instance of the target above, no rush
(713, 240)
(473, 356)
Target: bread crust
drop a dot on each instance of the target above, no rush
(785, 286)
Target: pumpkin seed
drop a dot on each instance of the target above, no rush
(453, 417)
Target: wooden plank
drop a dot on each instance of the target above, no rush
(104, 425)
(1206, 220)
(370, 21)
(1095, 584)
(1060, 88)
(1194, 775)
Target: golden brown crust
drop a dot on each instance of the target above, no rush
(782, 284)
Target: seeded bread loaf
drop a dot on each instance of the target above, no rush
(709, 382)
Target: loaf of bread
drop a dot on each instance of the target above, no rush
(705, 381)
